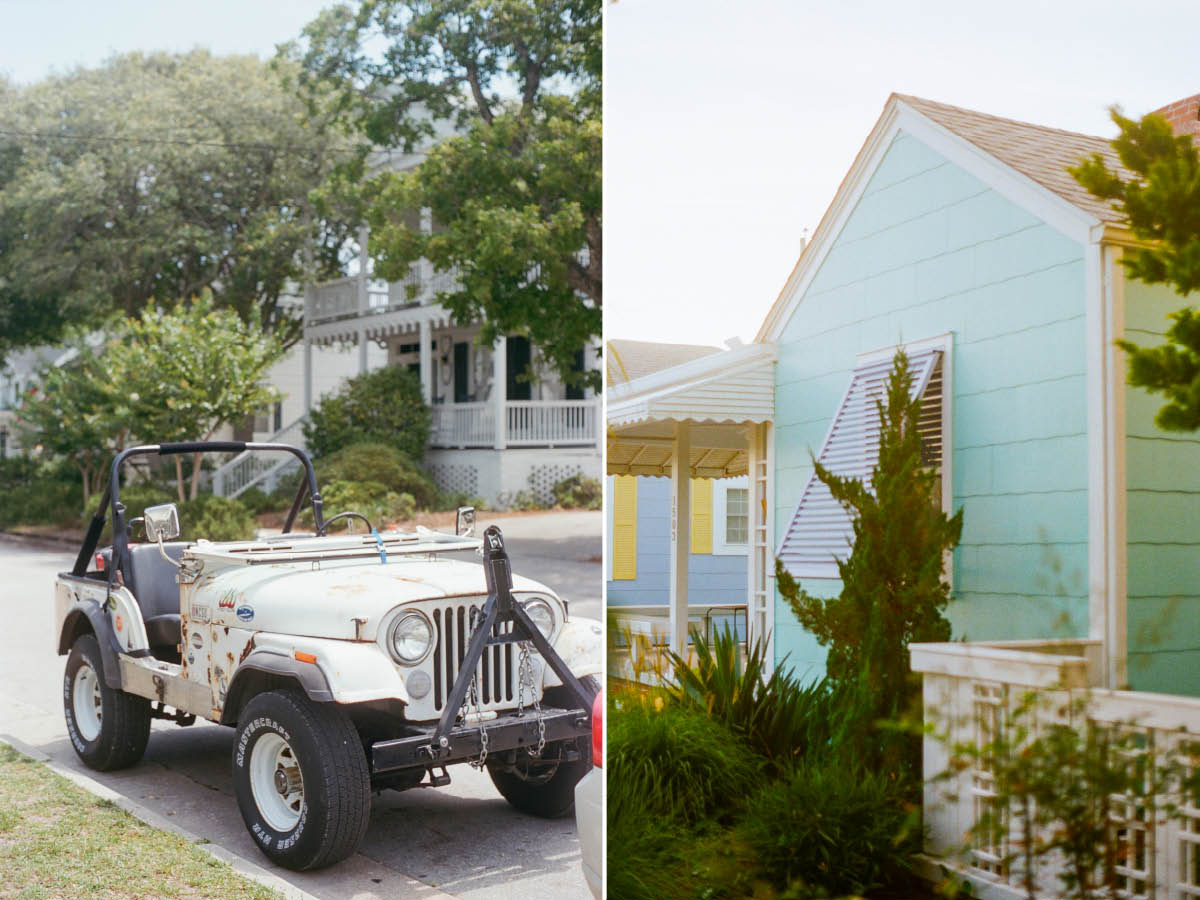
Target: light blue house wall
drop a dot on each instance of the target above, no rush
(1162, 522)
(712, 578)
(930, 249)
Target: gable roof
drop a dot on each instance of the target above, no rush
(628, 361)
(1024, 162)
(1043, 154)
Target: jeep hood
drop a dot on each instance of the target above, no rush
(295, 598)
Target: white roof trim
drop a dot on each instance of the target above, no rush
(1056, 211)
(637, 401)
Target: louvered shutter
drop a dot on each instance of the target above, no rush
(702, 516)
(820, 531)
(624, 548)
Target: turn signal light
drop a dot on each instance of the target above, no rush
(598, 730)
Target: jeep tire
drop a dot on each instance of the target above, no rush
(553, 795)
(301, 780)
(108, 727)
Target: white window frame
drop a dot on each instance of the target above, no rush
(721, 488)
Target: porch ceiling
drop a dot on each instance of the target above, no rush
(380, 323)
(715, 397)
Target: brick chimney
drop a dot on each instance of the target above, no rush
(1184, 115)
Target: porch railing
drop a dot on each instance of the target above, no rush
(971, 690)
(252, 468)
(463, 425)
(642, 636)
(338, 299)
(527, 423)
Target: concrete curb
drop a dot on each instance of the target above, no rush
(239, 864)
(43, 542)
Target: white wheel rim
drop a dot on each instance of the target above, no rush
(86, 702)
(276, 782)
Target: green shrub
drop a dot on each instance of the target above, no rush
(836, 830)
(447, 501)
(217, 519)
(385, 406)
(579, 492)
(41, 502)
(646, 855)
(372, 461)
(370, 498)
(677, 763)
(520, 501)
(778, 716)
(258, 502)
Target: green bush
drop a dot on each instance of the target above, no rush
(677, 763)
(447, 501)
(217, 519)
(385, 406)
(372, 461)
(519, 501)
(835, 830)
(370, 498)
(41, 503)
(579, 492)
(258, 502)
(778, 716)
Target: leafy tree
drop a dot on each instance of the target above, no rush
(385, 406)
(79, 412)
(154, 177)
(191, 369)
(893, 591)
(1158, 190)
(515, 195)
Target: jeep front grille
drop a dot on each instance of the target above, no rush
(452, 625)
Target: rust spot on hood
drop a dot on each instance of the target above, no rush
(249, 649)
(350, 588)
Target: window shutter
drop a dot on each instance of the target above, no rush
(820, 531)
(702, 515)
(624, 548)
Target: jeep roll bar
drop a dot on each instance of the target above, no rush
(111, 497)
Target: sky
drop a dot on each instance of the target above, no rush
(729, 126)
(43, 37)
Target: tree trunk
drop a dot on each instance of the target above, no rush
(179, 475)
(196, 457)
(87, 483)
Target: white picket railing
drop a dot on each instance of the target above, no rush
(551, 422)
(256, 467)
(463, 425)
(970, 691)
(338, 299)
(527, 423)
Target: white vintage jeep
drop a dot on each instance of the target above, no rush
(346, 664)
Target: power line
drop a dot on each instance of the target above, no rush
(110, 139)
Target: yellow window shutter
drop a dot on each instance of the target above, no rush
(624, 548)
(702, 515)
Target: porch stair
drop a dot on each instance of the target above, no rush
(257, 469)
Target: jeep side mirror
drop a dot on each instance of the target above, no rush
(161, 522)
(464, 521)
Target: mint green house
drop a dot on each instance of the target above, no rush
(962, 237)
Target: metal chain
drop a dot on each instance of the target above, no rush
(525, 679)
(472, 697)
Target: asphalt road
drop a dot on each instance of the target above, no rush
(461, 841)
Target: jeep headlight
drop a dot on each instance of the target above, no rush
(542, 615)
(410, 638)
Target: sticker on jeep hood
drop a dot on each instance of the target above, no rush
(245, 613)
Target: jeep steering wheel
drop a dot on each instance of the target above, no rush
(345, 515)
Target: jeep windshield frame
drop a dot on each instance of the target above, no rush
(111, 499)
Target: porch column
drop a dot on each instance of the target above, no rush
(364, 262)
(426, 336)
(500, 390)
(681, 518)
(308, 392)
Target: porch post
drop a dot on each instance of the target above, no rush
(364, 261)
(426, 336)
(308, 381)
(681, 518)
(500, 390)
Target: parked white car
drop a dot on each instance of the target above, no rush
(346, 664)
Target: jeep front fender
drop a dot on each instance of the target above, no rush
(580, 645)
(328, 670)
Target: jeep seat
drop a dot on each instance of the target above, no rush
(151, 580)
